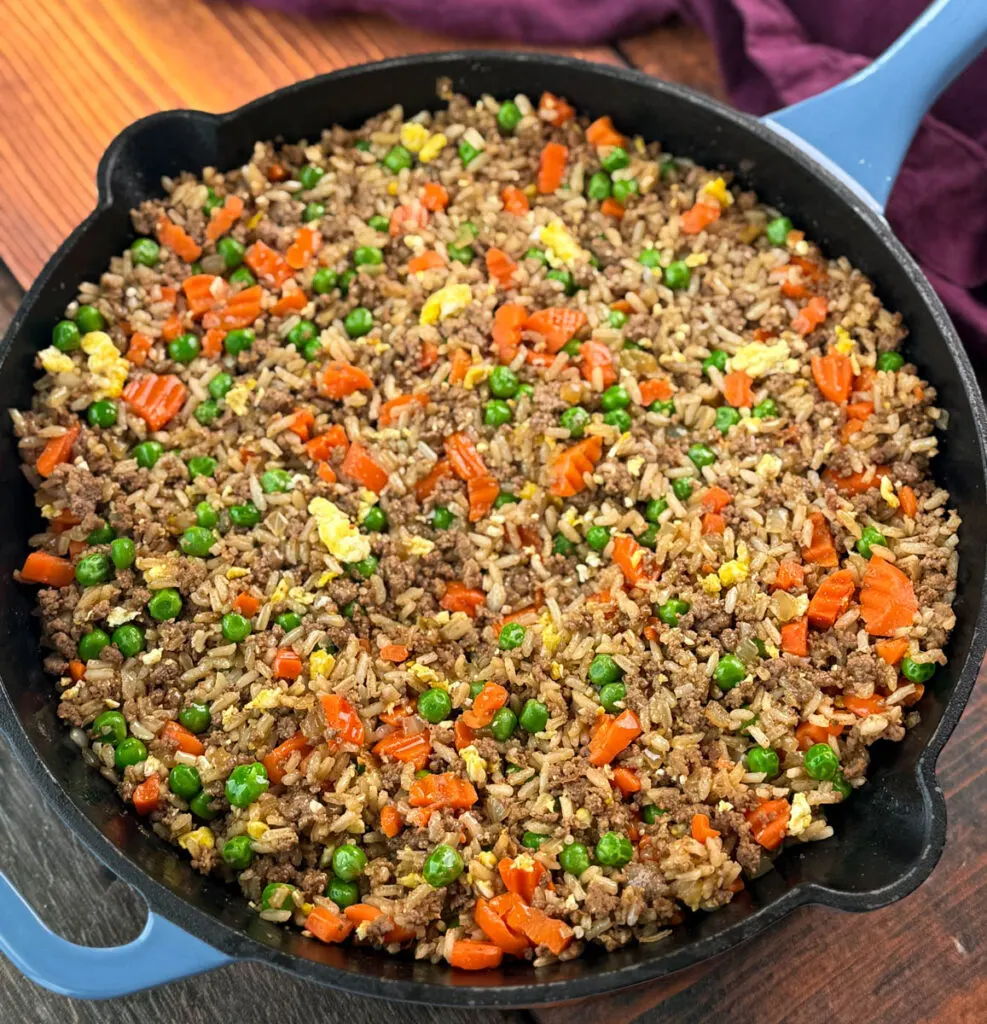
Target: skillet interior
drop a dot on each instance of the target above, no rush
(888, 837)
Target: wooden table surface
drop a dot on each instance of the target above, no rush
(72, 74)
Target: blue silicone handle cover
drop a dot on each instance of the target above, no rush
(861, 128)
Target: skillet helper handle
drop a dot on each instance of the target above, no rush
(862, 127)
(161, 953)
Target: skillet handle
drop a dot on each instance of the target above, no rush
(161, 953)
(861, 128)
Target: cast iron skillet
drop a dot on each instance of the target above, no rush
(888, 837)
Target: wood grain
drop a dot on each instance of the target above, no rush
(73, 73)
(676, 52)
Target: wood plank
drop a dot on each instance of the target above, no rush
(677, 52)
(128, 60)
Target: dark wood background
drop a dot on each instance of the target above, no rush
(72, 74)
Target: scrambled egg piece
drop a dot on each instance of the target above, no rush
(487, 858)
(238, 395)
(557, 238)
(697, 259)
(476, 767)
(255, 220)
(758, 359)
(733, 572)
(256, 829)
(411, 881)
(336, 531)
(413, 136)
(107, 366)
(236, 572)
(118, 616)
(717, 189)
(445, 302)
(54, 361)
(321, 663)
(550, 636)
(203, 836)
(327, 577)
(367, 501)
(556, 670)
(264, 701)
(773, 651)
(424, 674)
(711, 584)
(844, 343)
(584, 817)
(530, 490)
(768, 467)
(392, 188)
(301, 595)
(151, 657)
(887, 492)
(154, 568)
(432, 148)
(476, 375)
(281, 590)
(635, 464)
(801, 815)
(419, 546)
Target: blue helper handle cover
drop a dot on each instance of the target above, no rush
(861, 128)
(161, 953)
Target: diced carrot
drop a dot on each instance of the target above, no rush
(790, 574)
(57, 450)
(267, 264)
(187, 742)
(463, 733)
(716, 499)
(821, 550)
(277, 172)
(811, 316)
(343, 720)
(222, 218)
(701, 828)
(521, 875)
(914, 697)
(850, 428)
(393, 407)
(860, 410)
(461, 361)
(246, 604)
(428, 483)
(737, 389)
(203, 292)
(831, 599)
(795, 638)
(500, 266)
(551, 167)
(700, 216)
(241, 310)
(554, 110)
(342, 379)
(434, 196)
(514, 200)
(361, 467)
(887, 598)
(167, 294)
(300, 423)
(323, 445)
(395, 652)
(139, 348)
(539, 928)
(212, 342)
(460, 598)
(176, 238)
(65, 520)
(472, 955)
(557, 325)
(304, 247)
(413, 749)
(810, 269)
(408, 219)
(857, 483)
(657, 389)
(794, 289)
(764, 333)
(630, 557)
(486, 704)
(495, 928)
(275, 761)
(769, 822)
(808, 734)
(833, 375)
(863, 383)
(326, 473)
(147, 795)
(596, 355)
(464, 457)
(428, 260)
(862, 707)
(539, 359)
(611, 208)
(364, 913)
(40, 567)
(569, 468)
(327, 926)
(442, 789)
(156, 398)
(390, 821)
(892, 651)
(602, 133)
(714, 522)
(77, 670)
(287, 664)
(396, 715)
(509, 321)
(429, 355)
(909, 503)
(482, 492)
(614, 736)
(76, 547)
(293, 301)
(626, 781)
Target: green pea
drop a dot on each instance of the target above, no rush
(536, 254)
(324, 280)
(682, 488)
(678, 275)
(184, 348)
(717, 358)
(363, 145)
(561, 545)
(615, 397)
(147, 453)
(841, 785)
(650, 258)
(777, 230)
(398, 159)
(195, 717)
(442, 866)
(238, 341)
(726, 417)
(572, 348)
(614, 850)
(129, 752)
(165, 604)
(434, 705)
(611, 694)
(534, 716)
(89, 319)
(503, 382)
(598, 537)
(575, 419)
(235, 627)
(243, 276)
(275, 480)
(729, 671)
(212, 202)
(348, 862)
(765, 410)
(110, 727)
(917, 671)
(207, 411)
(92, 569)
(247, 514)
(232, 252)
(128, 639)
(509, 116)
(313, 211)
(201, 806)
(184, 781)
(532, 840)
(603, 669)
(365, 567)
(145, 252)
(345, 280)
(66, 336)
(246, 784)
(505, 498)
(358, 322)
(238, 853)
(670, 611)
(302, 332)
(565, 278)
(623, 189)
(277, 896)
(368, 256)
(201, 465)
(890, 362)
(763, 760)
(91, 644)
(379, 223)
(701, 455)
(868, 536)
(206, 515)
(310, 176)
(496, 413)
(664, 406)
(574, 859)
(476, 688)
(616, 319)
(599, 186)
(101, 535)
(649, 537)
(511, 636)
(102, 413)
(654, 509)
(197, 541)
(619, 418)
(220, 385)
(442, 518)
(821, 762)
(615, 159)
(503, 724)
(650, 813)
(461, 253)
(375, 521)
(467, 152)
(344, 894)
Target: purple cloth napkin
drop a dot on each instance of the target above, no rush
(773, 53)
